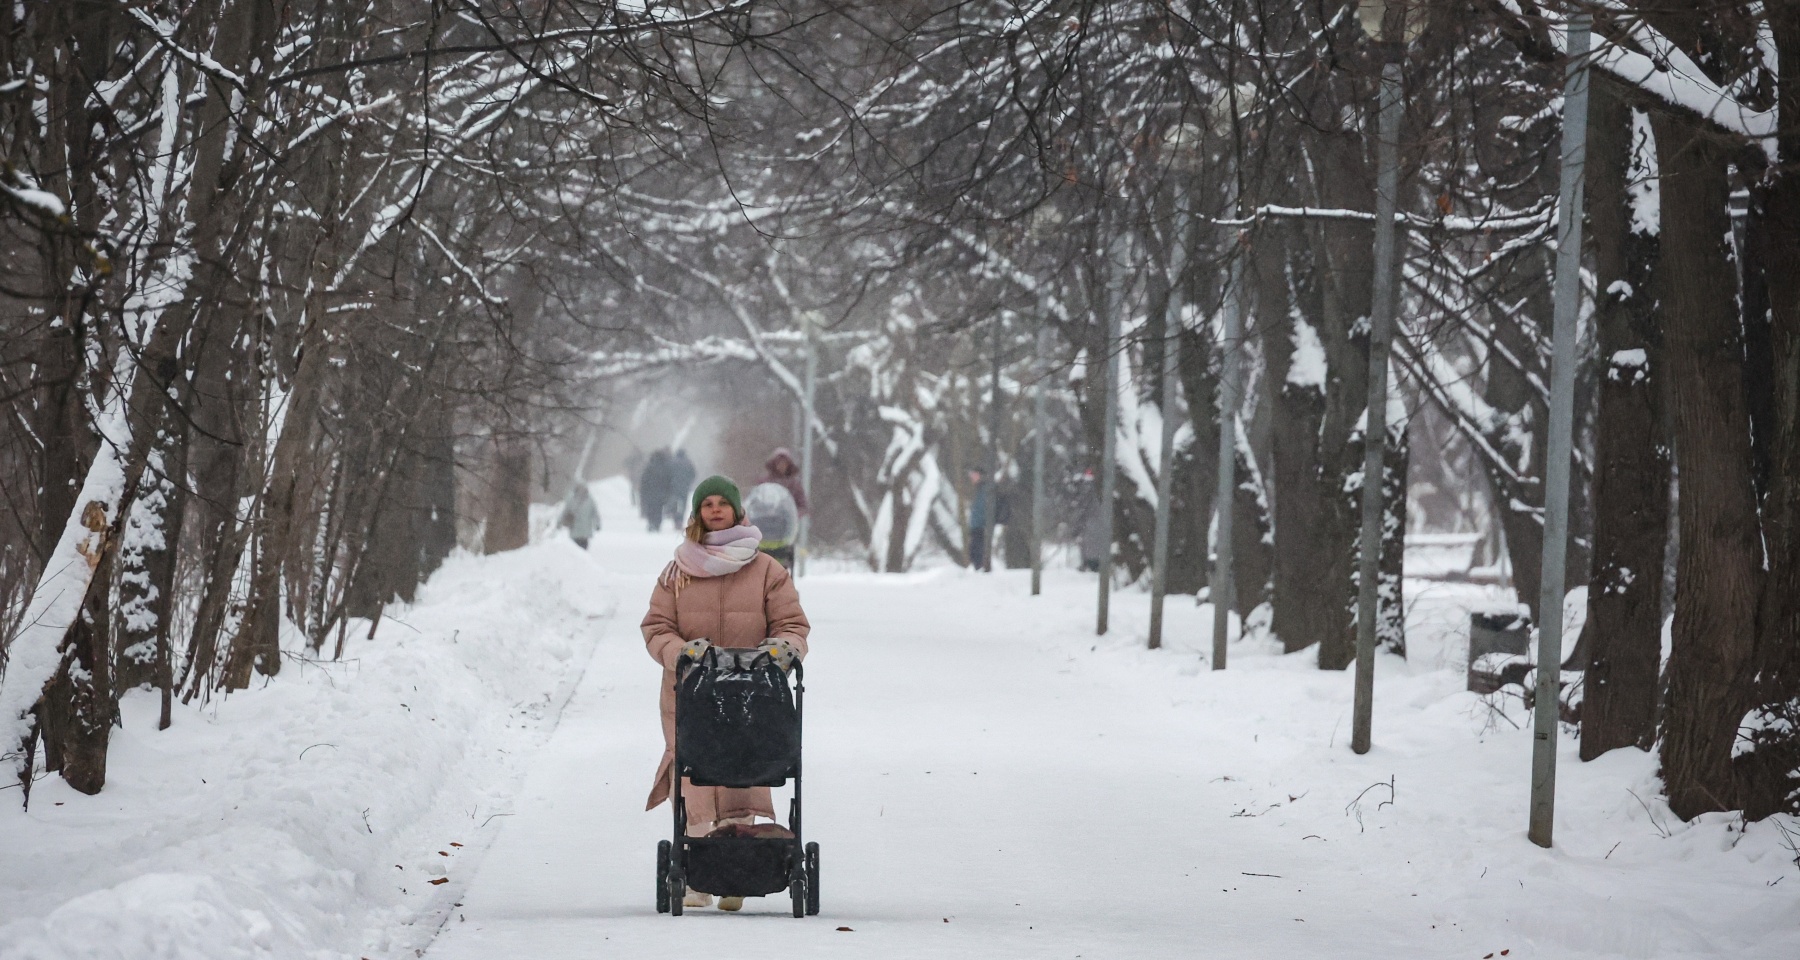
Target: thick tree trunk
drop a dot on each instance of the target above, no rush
(1390, 624)
(219, 531)
(259, 633)
(1252, 535)
(146, 563)
(1302, 562)
(1622, 641)
(1340, 285)
(79, 705)
(1510, 390)
(437, 487)
(1719, 577)
(1196, 482)
(509, 498)
(1769, 774)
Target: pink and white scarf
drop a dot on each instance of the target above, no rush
(718, 553)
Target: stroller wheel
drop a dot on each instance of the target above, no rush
(677, 885)
(797, 891)
(812, 879)
(662, 876)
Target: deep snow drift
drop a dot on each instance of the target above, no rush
(987, 779)
(304, 818)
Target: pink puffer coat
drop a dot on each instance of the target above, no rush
(736, 610)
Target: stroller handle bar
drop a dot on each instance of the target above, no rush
(731, 659)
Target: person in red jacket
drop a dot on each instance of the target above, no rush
(782, 470)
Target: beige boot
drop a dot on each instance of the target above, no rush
(732, 904)
(695, 898)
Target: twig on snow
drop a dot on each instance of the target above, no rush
(1354, 807)
(1661, 830)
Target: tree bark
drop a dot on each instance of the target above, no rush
(1769, 774)
(509, 498)
(1719, 574)
(1252, 535)
(1622, 642)
(1195, 484)
(1302, 560)
(146, 564)
(437, 487)
(1396, 459)
(79, 705)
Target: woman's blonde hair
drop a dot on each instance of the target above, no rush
(696, 527)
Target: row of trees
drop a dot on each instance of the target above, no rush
(1054, 166)
(290, 284)
(272, 272)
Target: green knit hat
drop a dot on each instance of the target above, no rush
(719, 486)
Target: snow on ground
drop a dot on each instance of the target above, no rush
(991, 780)
(988, 779)
(303, 818)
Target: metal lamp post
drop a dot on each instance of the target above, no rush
(810, 320)
(1374, 18)
(1040, 419)
(1567, 294)
(1044, 222)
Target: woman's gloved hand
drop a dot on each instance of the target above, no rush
(694, 649)
(782, 651)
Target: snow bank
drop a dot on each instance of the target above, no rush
(332, 812)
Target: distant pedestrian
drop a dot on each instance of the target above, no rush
(580, 515)
(653, 489)
(782, 470)
(981, 515)
(681, 481)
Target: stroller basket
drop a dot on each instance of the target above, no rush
(735, 720)
(740, 866)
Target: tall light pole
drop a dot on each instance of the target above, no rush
(801, 541)
(1381, 339)
(1567, 293)
(1040, 418)
(993, 470)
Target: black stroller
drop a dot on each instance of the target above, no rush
(737, 724)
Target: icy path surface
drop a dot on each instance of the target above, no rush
(989, 780)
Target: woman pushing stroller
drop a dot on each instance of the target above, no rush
(718, 591)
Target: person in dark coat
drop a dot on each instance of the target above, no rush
(653, 488)
(981, 510)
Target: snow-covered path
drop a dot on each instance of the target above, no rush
(989, 780)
